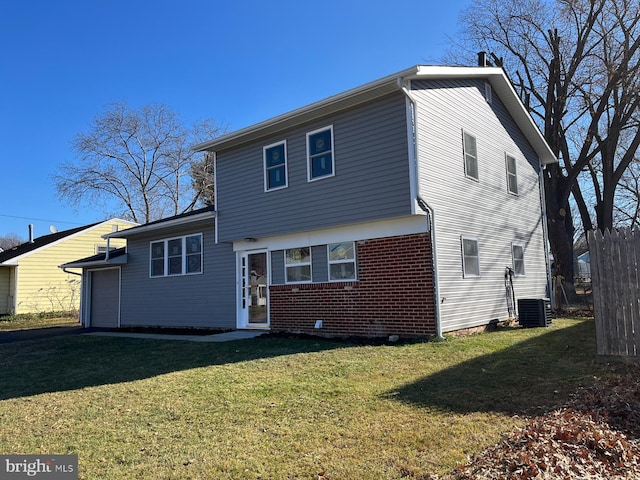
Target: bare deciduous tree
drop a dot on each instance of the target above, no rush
(203, 178)
(138, 160)
(627, 204)
(576, 66)
(9, 241)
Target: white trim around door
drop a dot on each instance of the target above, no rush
(253, 289)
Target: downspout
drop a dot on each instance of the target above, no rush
(80, 310)
(545, 232)
(424, 206)
(215, 197)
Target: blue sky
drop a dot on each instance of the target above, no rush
(236, 62)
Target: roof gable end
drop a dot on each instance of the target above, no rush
(11, 256)
(384, 86)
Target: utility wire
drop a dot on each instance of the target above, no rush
(40, 219)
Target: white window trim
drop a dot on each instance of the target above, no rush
(333, 155)
(464, 156)
(300, 264)
(166, 241)
(464, 274)
(513, 260)
(509, 174)
(266, 170)
(346, 260)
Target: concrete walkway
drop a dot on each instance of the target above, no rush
(218, 337)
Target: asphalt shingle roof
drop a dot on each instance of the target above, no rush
(40, 242)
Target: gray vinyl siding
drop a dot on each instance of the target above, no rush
(277, 267)
(319, 265)
(203, 300)
(481, 209)
(371, 178)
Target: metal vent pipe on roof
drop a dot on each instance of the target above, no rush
(31, 233)
(482, 59)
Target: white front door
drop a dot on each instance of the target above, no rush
(253, 307)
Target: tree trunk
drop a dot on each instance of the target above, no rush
(561, 229)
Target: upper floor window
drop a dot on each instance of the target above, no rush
(470, 257)
(176, 256)
(470, 155)
(517, 252)
(298, 264)
(512, 176)
(320, 161)
(342, 261)
(275, 166)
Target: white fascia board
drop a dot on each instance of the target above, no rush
(161, 225)
(308, 112)
(119, 260)
(502, 85)
(394, 227)
(495, 75)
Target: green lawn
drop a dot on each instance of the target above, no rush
(276, 408)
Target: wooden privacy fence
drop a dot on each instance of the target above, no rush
(615, 277)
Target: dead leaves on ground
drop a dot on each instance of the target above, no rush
(595, 436)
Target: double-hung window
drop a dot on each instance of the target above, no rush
(342, 261)
(470, 257)
(298, 264)
(512, 176)
(470, 155)
(275, 166)
(176, 256)
(517, 253)
(320, 158)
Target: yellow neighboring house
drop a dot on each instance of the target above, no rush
(30, 280)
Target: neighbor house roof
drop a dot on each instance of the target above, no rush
(392, 83)
(8, 257)
(11, 256)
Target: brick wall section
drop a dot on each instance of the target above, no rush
(394, 294)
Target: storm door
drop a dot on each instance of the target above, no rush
(253, 290)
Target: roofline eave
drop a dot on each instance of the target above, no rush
(162, 225)
(495, 75)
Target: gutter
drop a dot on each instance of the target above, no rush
(160, 224)
(431, 217)
(64, 269)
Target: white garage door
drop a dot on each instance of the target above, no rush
(105, 298)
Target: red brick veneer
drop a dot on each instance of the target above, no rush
(394, 294)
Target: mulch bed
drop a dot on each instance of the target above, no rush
(595, 436)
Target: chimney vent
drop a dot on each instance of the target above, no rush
(31, 233)
(482, 59)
